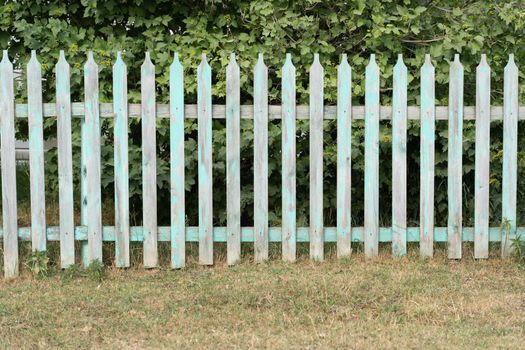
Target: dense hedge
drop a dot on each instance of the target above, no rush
(356, 27)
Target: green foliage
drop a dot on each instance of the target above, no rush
(305, 27)
(38, 263)
(71, 272)
(96, 271)
(518, 249)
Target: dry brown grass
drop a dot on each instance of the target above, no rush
(385, 303)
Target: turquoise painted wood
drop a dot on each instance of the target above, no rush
(371, 223)
(482, 155)
(120, 107)
(92, 153)
(65, 163)
(36, 153)
(260, 156)
(289, 205)
(275, 234)
(455, 161)
(149, 162)
(233, 161)
(510, 155)
(316, 160)
(427, 156)
(8, 162)
(344, 158)
(399, 159)
(205, 162)
(84, 251)
(177, 179)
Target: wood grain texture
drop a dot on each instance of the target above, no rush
(289, 205)
(65, 163)
(316, 160)
(120, 106)
(233, 160)
(510, 156)
(371, 194)
(84, 245)
(93, 189)
(204, 103)
(455, 161)
(427, 156)
(482, 156)
(149, 162)
(274, 111)
(260, 155)
(8, 162)
(36, 154)
(177, 179)
(344, 158)
(399, 160)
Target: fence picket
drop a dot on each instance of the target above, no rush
(205, 163)
(93, 189)
(372, 159)
(510, 156)
(8, 162)
(399, 160)
(316, 160)
(428, 135)
(455, 154)
(233, 173)
(178, 212)
(344, 158)
(36, 154)
(120, 106)
(289, 205)
(65, 163)
(482, 155)
(149, 162)
(260, 164)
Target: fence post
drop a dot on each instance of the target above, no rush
(344, 158)
(371, 228)
(427, 154)
(65, 163)
(7, 149)
(482, 155)
(455, 163)
(36, 153)
(178, 215)
(204, 111)
(316, 160)
(510, 155)
(289, 225)
(399, 160)
(120, 108)
(92, 143)
(260, 156)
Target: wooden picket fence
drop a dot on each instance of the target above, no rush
(92, 230)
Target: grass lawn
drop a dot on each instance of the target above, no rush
(385, 303)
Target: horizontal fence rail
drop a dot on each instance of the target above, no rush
(92, 233)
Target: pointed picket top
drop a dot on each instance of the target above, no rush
(288, 64)
(204, 61)
(62, 62)
(400, 64)
(456, 64)
(232, 61)
(372, 64)
(33, 61)
(176, 62)
(147, 62)
(119, 62)
(260, 61)
(511, 65)
(5, 60)
(483, 64)
(344, 60)
(316, 65)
